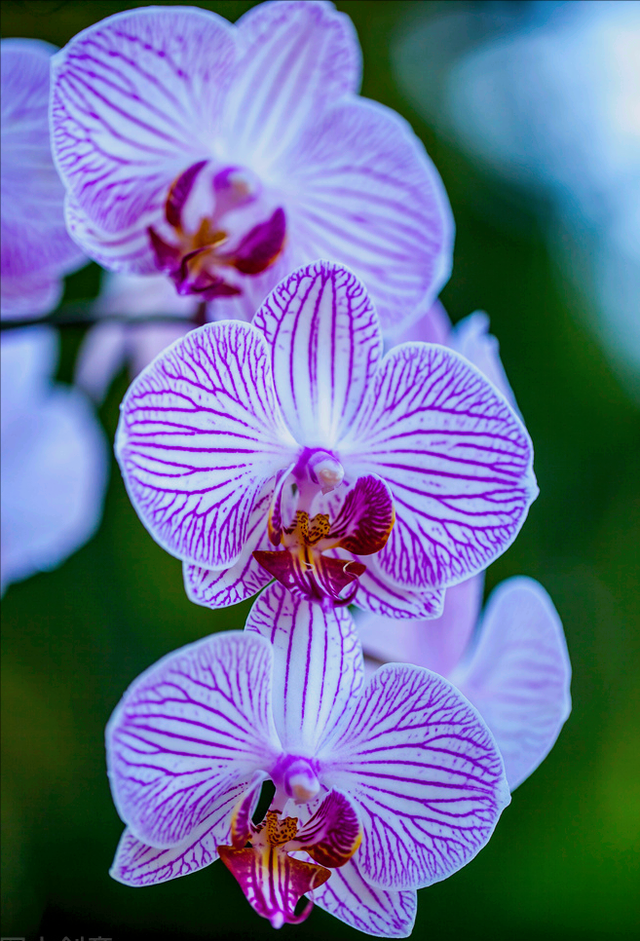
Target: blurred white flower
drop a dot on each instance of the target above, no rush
(54, 459)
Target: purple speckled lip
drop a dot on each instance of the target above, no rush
(413, 767)
(153, 93)
(233, 413)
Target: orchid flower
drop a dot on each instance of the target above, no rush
(54, 459)
(396, 785)
(36, 249)
(511, 663)
(251, 451)
(228, 155)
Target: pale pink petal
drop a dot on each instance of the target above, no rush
(437, 644)
(471, 338)
(518, 676)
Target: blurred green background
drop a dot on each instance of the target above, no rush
(565, 859)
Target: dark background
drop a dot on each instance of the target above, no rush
(564, 861)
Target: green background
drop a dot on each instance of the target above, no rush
(565, 859)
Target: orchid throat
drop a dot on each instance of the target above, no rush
(217, 228)
(313, 511)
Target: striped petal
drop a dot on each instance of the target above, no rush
(325, 343)
(138, 864)
(384, 913)
(381, 596)
(199, 437)
(426, 773)
(361, 189)
(519, 674)
(293, 59)
(317, 669)
(219, 588)
(457, 459)
(188, 731)
(135, 100)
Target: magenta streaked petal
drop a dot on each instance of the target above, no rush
(138, 864)
(351, 897)
(333, 834)
(381, 596)
(135, 101)
(519, 674)
(438, 643)
(273, 882)
(294, 58)
(426, 774)
(317, 666)
(471, 338)
(35, 247)
(199, 437)
(191, 728)
(127, 251)
(364, 192)
(457, 459)
(241, 822)
(325, 343)
(433, 326)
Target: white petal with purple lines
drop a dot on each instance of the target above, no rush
(199, 436)
(379, 595)
(135, 101)
(139, 864)
(427, 775)
(325, 343)
(385, 913)
(190, 729)
(293, 59)
(519, 674)
(457, 459)
(317, 671)
(364, 192)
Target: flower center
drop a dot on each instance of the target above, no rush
(218, 227)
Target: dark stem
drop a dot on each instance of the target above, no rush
(80, 315)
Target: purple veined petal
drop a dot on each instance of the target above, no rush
(317, 670)
(437, 644)
(188, 730)
(135, 101)
(427, 775)
(138, 864)
(325, 344)
(36, 248)
(125, 251)
(294, 59)
(384, 913)
(223, 587)
(471, 338)
(518, 676)
(360, 189)
(379, 595)
(199, 437)
(457, 459)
